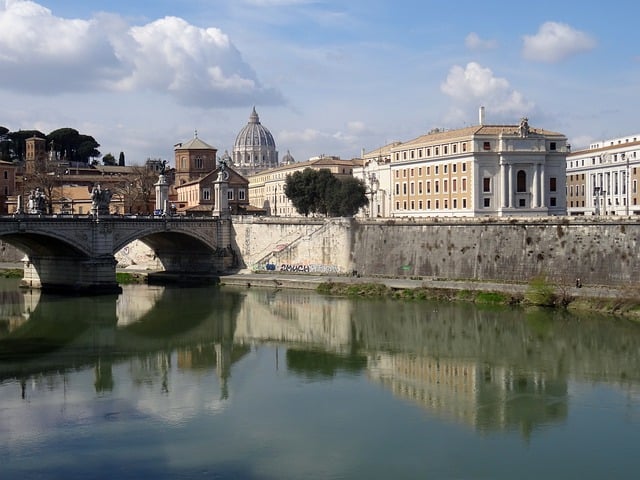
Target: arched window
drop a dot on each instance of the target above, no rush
(522, 181)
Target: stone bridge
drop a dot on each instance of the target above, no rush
(68, 253)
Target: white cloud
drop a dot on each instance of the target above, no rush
(474, 42)
(555, 42)
(41, 53)
(475, 85)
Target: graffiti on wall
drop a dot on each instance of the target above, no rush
(296, 268)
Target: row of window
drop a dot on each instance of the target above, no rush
(436, 170)
(436, 187)
(411, 205)
(603, 159)
(206, 194)
(426, 152)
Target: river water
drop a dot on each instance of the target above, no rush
(231, 383)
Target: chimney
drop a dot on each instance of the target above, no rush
(481, 115)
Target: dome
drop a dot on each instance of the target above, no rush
(288, 159)
(255, 148)
(226, 158)
(254, 134)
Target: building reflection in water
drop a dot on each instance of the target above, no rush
(498, 369)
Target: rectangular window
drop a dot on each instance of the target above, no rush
(464, 167)
(454, 167)
(464, 184)
(420, 205)
(552, 146)
(413, 205)
(552, 201)
(454, 185)
(487, 202)
(229, 194)
(436, 170)
(455, 203)
(486, 146)
(552, 184)
(206, 194)
(445, 168)
(397, 189)
(436, 186)
(404, 188)
(412, 188)
(428, 187)
(486, 184)
(241, 194)
(445, 185)
(419, 188)
(446, 150)
(464, 203)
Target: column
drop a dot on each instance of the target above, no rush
(543, 188)
(504, 187)
(535, 199)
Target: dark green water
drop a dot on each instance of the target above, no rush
(168, 383)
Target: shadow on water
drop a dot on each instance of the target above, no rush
(58, 332)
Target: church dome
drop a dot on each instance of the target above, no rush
(254, 134)
(255, 148)
(288, 159)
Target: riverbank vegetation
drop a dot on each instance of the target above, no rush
(538, 293)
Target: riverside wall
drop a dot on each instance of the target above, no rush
(598, 251)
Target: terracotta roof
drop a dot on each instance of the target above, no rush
(194, 144)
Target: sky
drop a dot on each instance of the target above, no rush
(325, 76)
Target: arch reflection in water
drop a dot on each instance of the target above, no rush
(490, 369)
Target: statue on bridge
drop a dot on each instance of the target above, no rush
(100, 199)
(37, 202)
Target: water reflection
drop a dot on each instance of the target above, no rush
(489, 369)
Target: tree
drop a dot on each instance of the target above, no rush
(73, 146)
(136, 188)
(5, 144)
(319, 191)
(121, 159)
(18, 142)
(349, 196)
(108, 159)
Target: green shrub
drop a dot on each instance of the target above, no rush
(540, 292)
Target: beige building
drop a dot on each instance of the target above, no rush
(603, 179)
(7, 184)
(197, 197)
(266, 189)
(497, 170)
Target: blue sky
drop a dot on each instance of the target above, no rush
(326, 77)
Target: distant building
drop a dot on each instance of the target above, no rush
(603, 179)
(266, 189)
(254, 149)
(197, 197)
(497, 170)
(193, 160)
(7, 184)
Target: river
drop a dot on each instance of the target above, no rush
(247, 383)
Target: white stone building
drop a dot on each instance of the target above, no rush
(483, 170)
(603, 179)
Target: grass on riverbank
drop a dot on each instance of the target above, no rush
(11, 273)
(539, 294)
(125, 278)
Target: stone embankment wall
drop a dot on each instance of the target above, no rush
(598, 251)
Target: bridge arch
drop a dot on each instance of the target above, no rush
(72, 253)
